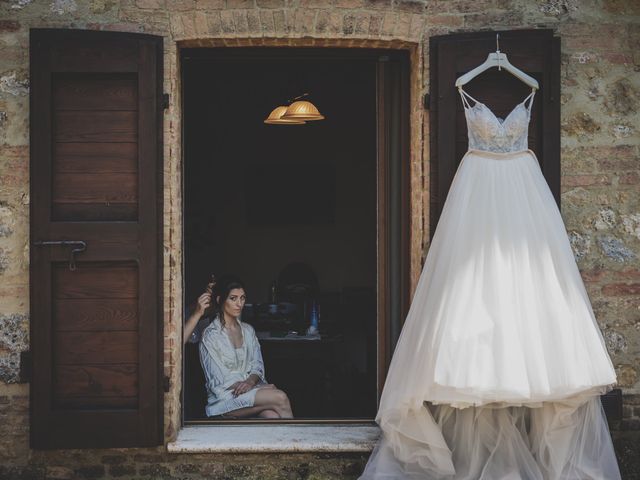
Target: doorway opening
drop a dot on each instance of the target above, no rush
(310, 216)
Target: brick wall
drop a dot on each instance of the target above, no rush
(600, 182)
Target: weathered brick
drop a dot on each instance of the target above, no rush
(629, 179)
(585, 180)
(616, 289)
(409, 6)
(377, 4)
(628, 273)
(348, 3)
(453, 21)
(9, 25)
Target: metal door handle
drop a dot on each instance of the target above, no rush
(79, 246)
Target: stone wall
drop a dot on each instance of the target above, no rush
(600, 182)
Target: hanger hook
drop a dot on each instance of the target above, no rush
(497, 42)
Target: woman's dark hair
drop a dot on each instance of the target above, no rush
(221, 292)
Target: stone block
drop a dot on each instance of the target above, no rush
(113, 459)
(389, 24)
(253, 23)
(151, 4)
(279, 22)
(403, 26)
(240, 21)
(270, 3)
(235, 4)
(214, 21)
(210, 4)
(154, 470)
(118, 471)
(58, 473)
(201, 24)
(227, 22)
(267, 22)
(90, 471)
(304, 21)
(181, 5)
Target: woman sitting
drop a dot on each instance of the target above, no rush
(232, 361)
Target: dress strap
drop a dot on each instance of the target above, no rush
(529, 99)
(466, 97)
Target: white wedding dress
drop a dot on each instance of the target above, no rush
(500, 364)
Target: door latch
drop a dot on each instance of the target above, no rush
(78, 247)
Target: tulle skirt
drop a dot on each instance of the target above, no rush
(498, 369)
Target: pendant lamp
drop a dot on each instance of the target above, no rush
(302, 110)
(275, 117)
(297, 113)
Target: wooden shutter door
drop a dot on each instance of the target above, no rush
(536, 52)
(96, 322)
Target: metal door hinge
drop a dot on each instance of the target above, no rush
(426, 101)
(165, 101)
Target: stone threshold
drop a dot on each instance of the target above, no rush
(275, 438)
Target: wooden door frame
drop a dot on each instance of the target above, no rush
(393, 186)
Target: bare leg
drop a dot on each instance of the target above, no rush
(266, 399)
(269, 414)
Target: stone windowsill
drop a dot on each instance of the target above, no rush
(275, 438)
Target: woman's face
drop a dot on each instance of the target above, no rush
(234, 303)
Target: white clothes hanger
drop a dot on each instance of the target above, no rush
(500, 60)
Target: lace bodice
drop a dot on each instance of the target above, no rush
(490, 133)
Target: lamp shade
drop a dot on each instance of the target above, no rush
(302, 110)
(275, 117)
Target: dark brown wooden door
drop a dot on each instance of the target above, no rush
(536, 52)
(96, 322)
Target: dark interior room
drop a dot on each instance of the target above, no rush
(291, 210)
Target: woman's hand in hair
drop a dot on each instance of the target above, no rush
(204, 301)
